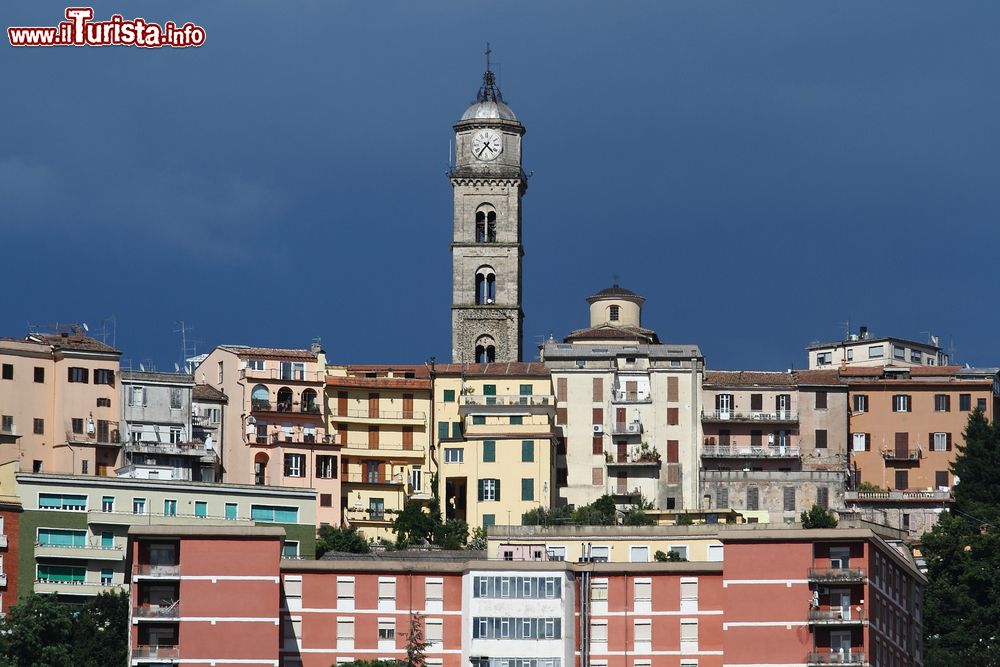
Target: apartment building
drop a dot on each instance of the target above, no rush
(379, 416)
(274, 424)
(775, 443)
(494, 441)
(10, 549)
(208, 416)
(204, 595)
(848, 596)
(905, 424)
(73, 530)
(628, 407)
(158, 437)
(865, 349)
(60, 403)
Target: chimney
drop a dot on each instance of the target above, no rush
(316, 348)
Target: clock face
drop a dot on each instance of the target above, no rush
(486, 145)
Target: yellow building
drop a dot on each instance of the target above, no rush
(494, 441)
(380, 417)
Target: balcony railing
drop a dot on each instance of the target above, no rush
(169, 448)
(286, 376)
(837, 575)
(166, 652)
(835, 616)
(362, 413)
(371, 478)
(158, 611)
(901, 454)
(393, 447)
(260, 405)
(750, 451)
(897, 496)
(632, 462)
(147, 570)
(750, 415)
(627, 428)
(283, 438)
(837, 658)
(508, 400)
(621, 396)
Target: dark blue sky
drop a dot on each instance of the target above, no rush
(761, 172)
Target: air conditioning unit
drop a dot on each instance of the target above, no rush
(598, 428)
(634, 428)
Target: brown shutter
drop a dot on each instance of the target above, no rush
(947, 402)
(718, 401)
(342, 433)
(902, 444)
(821, 438)
(561, 389)
(598, 445)
(941, 478)
(672, 389)
(342, 403)
(757, 402)
(821, 400)
(381, 472)
(620, 415)
(407, 406)
(597, 476)
(407, 437)
(673, 416)
(902, 480)
(560, 415)
(373, 405)
(673, 455)
(598, 416)
(868, 442)
(373, 437)
(930, 442)
(909, 403)
(598, 390)
(948, 443)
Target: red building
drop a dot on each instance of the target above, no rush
(10, 526)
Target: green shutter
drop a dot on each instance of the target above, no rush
(527, 489)
(449, 395)
(490, 391)
(525, 392)
(479, 484)
(230, 510)
(200, 508)
(456, 429)
(489, 520)
(479, 420)
(527, 451)
(107, 540)
(442, 430)
(497, 482)
(489, 451)
(517, 420)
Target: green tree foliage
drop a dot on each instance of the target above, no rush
(543, 517)
(962, 600)
(41, 631)
(479, 540)
(818, 517)
(370, 663)
(333, 538)
(419, 524)
(601, 512)
(416, 643)
(660, 557)
(675, 557)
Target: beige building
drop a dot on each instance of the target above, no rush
(775, 443)
(59, 403)
(274, 424)
(628, 407)
(494, 441)
(380, 418)
(865, 349)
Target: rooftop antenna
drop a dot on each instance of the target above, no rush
(189, 347)
(105, 330)
(615, 278)
(488, 52)
(847, 328)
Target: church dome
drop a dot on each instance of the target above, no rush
(489, 104)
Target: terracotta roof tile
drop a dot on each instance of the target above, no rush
(612, 332)
(72, 342)
(246, 351)
(206, 392)
(749, 378)
(494, 369)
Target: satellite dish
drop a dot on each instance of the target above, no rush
(85, 327)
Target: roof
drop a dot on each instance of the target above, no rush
(888, 371)
(245, 351)
(616, 291)
(207, 531)
(515, 368)
(157, 376)
(206, 392)
(771, 378)
(614, 332)
(869, 340)
(72, 341)
(408, 555)
(565, 351)
(489, 102)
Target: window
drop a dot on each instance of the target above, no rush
(77, 425)
(680, 549)
(138, 506)
(941, 479)
(220, 369)
(386, 592)
(387, 632)
(137, 396)
(175, 398)
(489, 451)
(915, 356)
(108, 504)
(456, 429)
(442, 430)
(38, 426)
(789, 498)
(823, 497)
(489, 520)
(941, 442)
(345, 633)
(689, 635)
(376, 508)
(107, 576)
(169, 507)
(62, 537)
(326, 467)
(527, 451)
(899, 352)
(79, 374)
(454, 455)
(821, 400)
(449, 395)
(821, 438)
(433, 629)
(295, 465)
(850, 355)
(104, 376)
(902, 480)
(7, 423)
(824, 358)
(61, 574)
(639, 554)
(104, 402)
(62, 501)
(599, 590)
(231, 510)
(875, 352)
(613, 313)
(965, 402)
(274, 513)
(478, 420)
(689, 595)
(527, 489)
(516, 420)
(489, 489)
(981, 404)
(176, 435)
(859, 442)
(599, 632)
(84, 467)
(901, 403)
(860, 403)
(39, 374)
(753, 495)
(942, 403)
(8, 371)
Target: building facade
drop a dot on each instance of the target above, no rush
(628, 408)
(10, 550)
(488, 184)
(494, 441)
(208, 416)
(864, 349)
(60, 403)
(380, 419)
(775, 443)
(274, 423)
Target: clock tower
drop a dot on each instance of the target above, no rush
(486, 251)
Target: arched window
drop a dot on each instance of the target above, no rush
(284, 400)
(480, 227)
(260, 468)
(491, 227)
(486, 351)
(260, 398)
(613, 313)
(309, 403)
(486, 224)
(486, 286)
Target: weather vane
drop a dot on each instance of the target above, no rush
(488, 52)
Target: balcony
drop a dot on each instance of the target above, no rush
(623, 396)
(751, 416)
(74, 587)
(143, 652)
(934, 497)
(711, 451)
(837, 658)
(159, 519)
(369, 478)
(368, 515)
(627, 428)
(8, 435)
(382, 450)
(260, 405)
(902, 454)
(835, 575)
(632, 463)
(157, 612)
(169, 448)
(86, 552)
(149, 571)
(283, 438)
(480, 404)
(367, 416)
(845, 616)
(286, 376)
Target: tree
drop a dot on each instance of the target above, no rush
(818, 517)
(333, 538)
(100, 633)
(545, 517)
(416, 643)
(962, 551)
(415, 524)
(660, 557)
(39, 631)
(480, 539)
